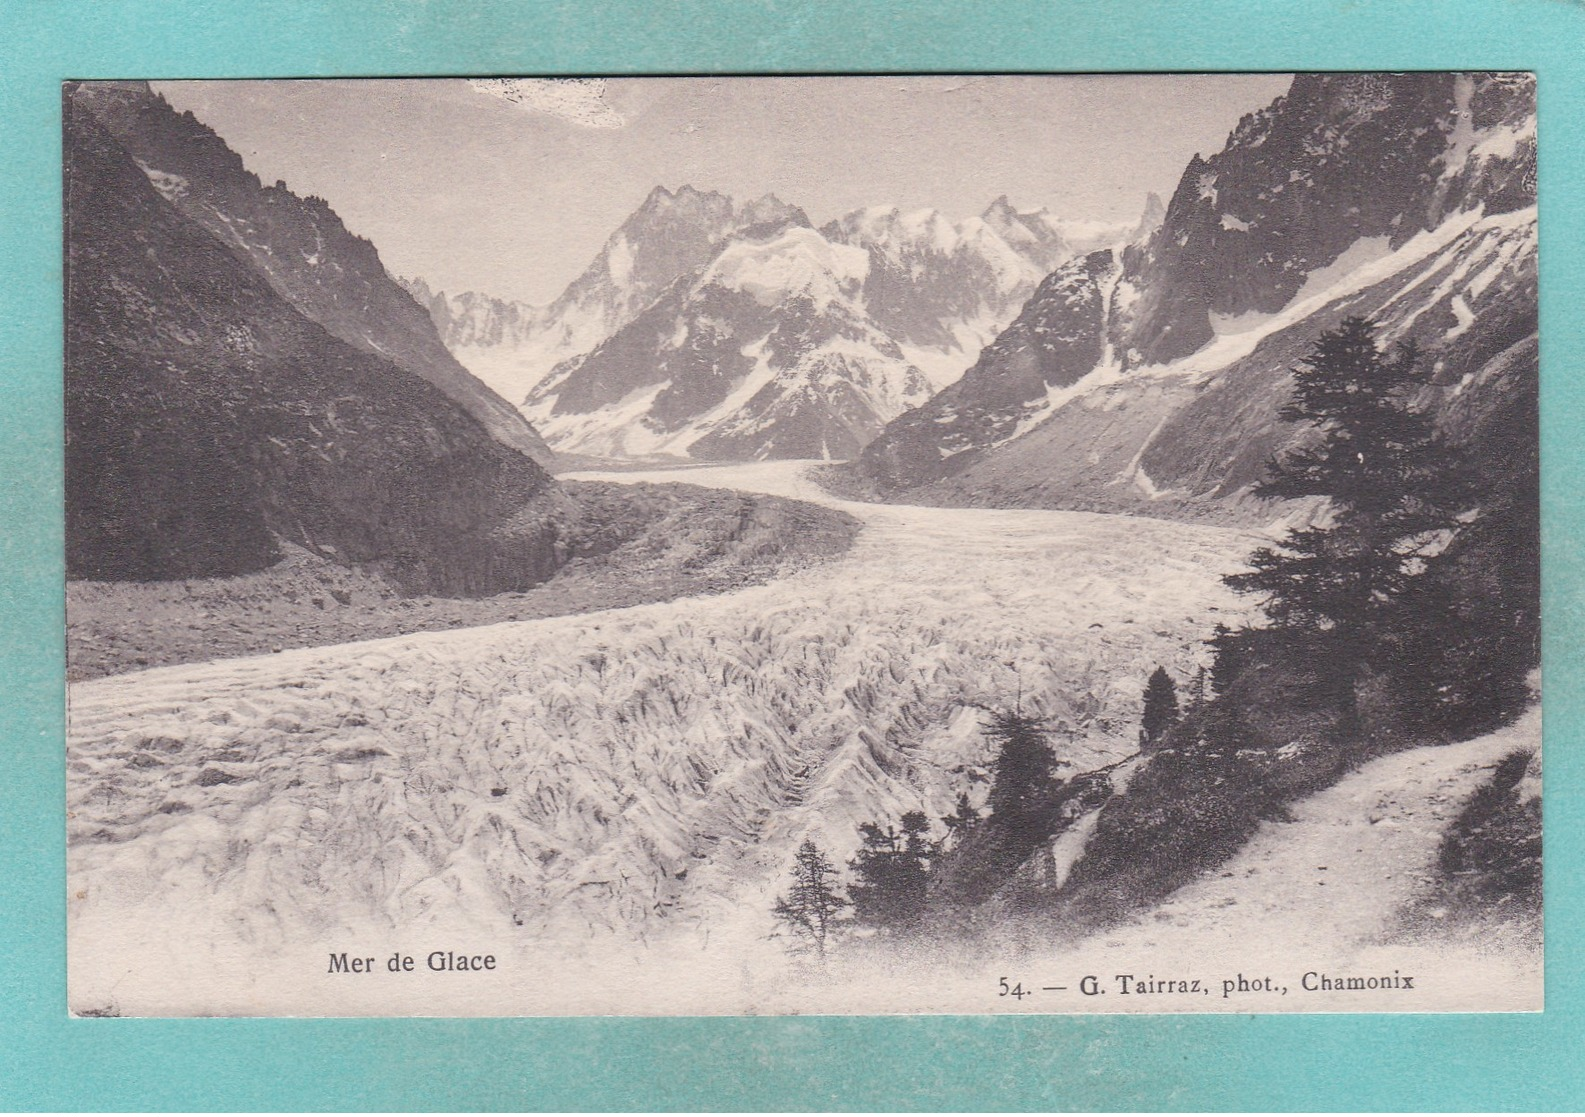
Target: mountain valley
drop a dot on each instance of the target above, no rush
(402, 617)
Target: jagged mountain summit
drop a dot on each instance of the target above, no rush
(1149, 221)
(471, 320)
(764, 352)
(1035, 234)
(1408, 199)
(512, 346)
(942, 288)
(298, 245)
(716, 330)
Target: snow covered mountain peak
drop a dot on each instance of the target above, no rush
(1022, 229)
(895, 230)
(1048, 239)
(943, 287)
(512, 346)
(794, 263)
(711, 327)
(1032, 242)
(688, 214)
(765, 351)
(768, 209)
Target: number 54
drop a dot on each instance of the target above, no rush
(1016, 990)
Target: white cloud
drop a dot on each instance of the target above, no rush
(576, 100)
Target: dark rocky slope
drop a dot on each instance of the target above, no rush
(297, 245)
(207, 417)
(1057, 337)
(1340, 157)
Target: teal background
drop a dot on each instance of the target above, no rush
(48, 1061)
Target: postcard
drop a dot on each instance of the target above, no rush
(772, 545)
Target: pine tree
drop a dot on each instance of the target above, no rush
(891, 874)
(813, 907)
(1229, 655)
(1393, 496)
(1161, 707)
(961, 820)
(1024, 779)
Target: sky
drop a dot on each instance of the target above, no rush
(510, 187)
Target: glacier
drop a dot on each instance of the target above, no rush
(609, 803)
(600, 799)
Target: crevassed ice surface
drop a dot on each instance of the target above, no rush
(611, 787)
(608, 803)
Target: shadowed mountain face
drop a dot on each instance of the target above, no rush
(207, 415)
(298, 246)
(1340, 158)
(1057, 338)
(1407, 199)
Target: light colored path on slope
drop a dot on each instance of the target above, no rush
(1321, 894)
(1326, 892)
(614, 772)
(1353, 856)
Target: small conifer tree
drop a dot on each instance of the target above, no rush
(1024, 779)
(1161, 708)
(1229, 657)
(812, 908)
(961, 820)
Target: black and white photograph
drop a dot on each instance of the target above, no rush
(740, 545)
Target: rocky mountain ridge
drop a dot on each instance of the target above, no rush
(1338, 159)
(208, 420)
(763, 336)
(1408, 199)
(298, 245)
(472, 320)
